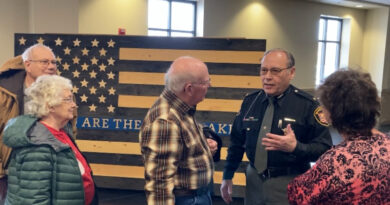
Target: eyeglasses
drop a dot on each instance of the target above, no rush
(68, 100)
(45, 62)
(206, 82)
(274, 71)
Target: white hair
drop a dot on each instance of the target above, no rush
(28, 52)
(175, 81)
(45, 92)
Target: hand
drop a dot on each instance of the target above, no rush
(227, 190)
(286, 143)
(213, 145)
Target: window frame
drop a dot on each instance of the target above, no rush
(169, 30)
(324, 41)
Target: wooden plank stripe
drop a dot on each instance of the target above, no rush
(122, 148)
(221, 105)
(138, 173)
(212, 56)
(227, 81)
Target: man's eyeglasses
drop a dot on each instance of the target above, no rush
(274, 71)
(206, 82)
(45, 62)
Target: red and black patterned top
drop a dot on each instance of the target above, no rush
(357, 171)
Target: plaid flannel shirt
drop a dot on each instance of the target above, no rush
(175, 151)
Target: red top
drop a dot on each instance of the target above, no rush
(354, 172)
(85, 170)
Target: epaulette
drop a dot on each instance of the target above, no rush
(304, 94)
(252, 94)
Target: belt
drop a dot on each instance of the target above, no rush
(191, 192)
(271, 172)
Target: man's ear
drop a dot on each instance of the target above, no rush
(27, 66)
(188, 88)
(292, 72)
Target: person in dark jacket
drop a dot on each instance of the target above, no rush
(46, 166)
(280, 129)
(16, 75)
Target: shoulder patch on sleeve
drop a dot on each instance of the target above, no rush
(320, 117)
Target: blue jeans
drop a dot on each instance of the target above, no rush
(204, 199)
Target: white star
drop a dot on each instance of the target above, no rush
(111, 108)
(76, 60)
(22, 41)
(102, 52)
(92, 108)
(76, 42)
(58, 42)
(111, 61)
(66, 66)
(40, 40)
(110, 75)
(102, 84)
(92, 90)
(84, 66)
(67, 51)
(84, 98)
(102, 99)
(111, 91)
(102, 67)
(76, 74)
(84, 83)
(95, 43)
(85, 51)
(75, 89)
(92, 74)
(111, 43)
(94, 61)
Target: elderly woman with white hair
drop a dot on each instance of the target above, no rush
(46, 166)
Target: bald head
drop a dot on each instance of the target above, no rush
(188, 78)
(184, 69)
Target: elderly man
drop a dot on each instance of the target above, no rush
(16, 75)
(178, 161)
(280, 129)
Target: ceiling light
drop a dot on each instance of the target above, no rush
(359, 6)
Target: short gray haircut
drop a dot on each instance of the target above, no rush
(176, 82)
(290, 57)
(45, 92)
(28, 52)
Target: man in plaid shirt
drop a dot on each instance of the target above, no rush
(178, 160)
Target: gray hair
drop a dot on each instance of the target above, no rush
(28, 52)
(290, 57)
(45, 92)
(175, 82)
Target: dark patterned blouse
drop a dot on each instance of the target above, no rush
(356, 171)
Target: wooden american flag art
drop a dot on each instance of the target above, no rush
(116, 79)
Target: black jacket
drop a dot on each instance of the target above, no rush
(293, 107)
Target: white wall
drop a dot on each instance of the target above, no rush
(34, 16)
(13, 18)
(106, 16)
(374, 44)
(53, 16)
(283, 23)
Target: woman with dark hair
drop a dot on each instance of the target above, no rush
(356, 171)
